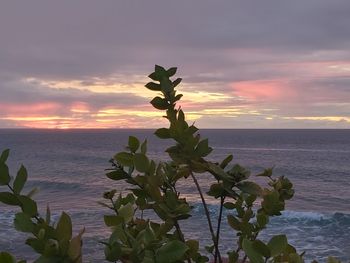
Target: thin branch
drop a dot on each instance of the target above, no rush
(208, 216)
(222, 199)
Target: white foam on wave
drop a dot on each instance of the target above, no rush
(305, 215)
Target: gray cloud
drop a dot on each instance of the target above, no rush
(214, 43)
(65, 38)
(20, 92)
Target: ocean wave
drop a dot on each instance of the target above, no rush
(281, 149)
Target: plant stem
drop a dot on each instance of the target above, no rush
(222, 199)
(181, 235)
(21, 204)
(208, 216)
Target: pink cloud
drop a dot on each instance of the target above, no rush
(41, 108)
(263, 90)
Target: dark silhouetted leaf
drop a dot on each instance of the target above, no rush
(163, 133)
(124, 158)
(29, 206)
(23, 223)
(7, 258)
(4, 174)
(9, 198)
(177, 82)
(261, 248)
(159, 103)
(203, 149)
(172, 251)
(277, 245)
(234, 222)
(144, 147)
(75, 247)
(4, 155)
(171, 71)
(117, 175)
(252, 254)
(113, 220)
(20, 180)
(226, 161)
(153, 86)
(133, 143)
(64, 227)
(141, 162)
(250, 188)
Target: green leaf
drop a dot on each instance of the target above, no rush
(64, 227)
(141, 162)
(226, 161)
(262, 219)
(23, 223)
(126, 212)
(159, 70)
(133, 143)
(272, 204)
(177, 82)
(277, 245)
(38, 245)
(29, 206)
(171, 71)
(181, 116)
(193, 246)
(7, 258)
(144, 147)
(252, 254)
(124, 158)
(295, 258)
(262, 248)
(113, 220)
(172, 251)
(75, 247)
(118, 175)
(20, 180)
(163, 133)
(9, 198)
(203, 148)
(153, 86)
(250, 188)
(178, 97)
(160, 103)
(229, 205)
(4, 156)
(216, 190)
(167, 85)
(113, 252)
(4, 174)
(217, 171)
(333, 260)
(266, 173)
(234, 222)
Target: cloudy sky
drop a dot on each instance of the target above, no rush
(244, 64)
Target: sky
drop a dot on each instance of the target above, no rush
(244, 64)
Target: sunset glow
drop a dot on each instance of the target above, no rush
(273, 70)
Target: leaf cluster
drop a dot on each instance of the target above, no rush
(52, 241)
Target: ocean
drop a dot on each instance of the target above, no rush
(69, 168)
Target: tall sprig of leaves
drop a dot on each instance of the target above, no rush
(154, 188)
(53, 242)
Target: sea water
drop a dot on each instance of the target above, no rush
(69, 168)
